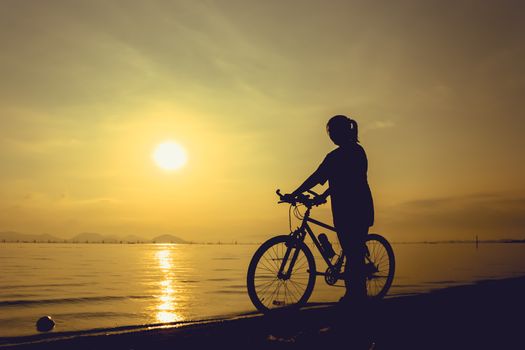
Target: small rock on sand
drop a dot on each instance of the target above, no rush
(45, 324)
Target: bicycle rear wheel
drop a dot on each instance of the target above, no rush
(380, 266)
(267, 289)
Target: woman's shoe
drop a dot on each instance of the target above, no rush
(345, 299)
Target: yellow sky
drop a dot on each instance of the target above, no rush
(89, 88)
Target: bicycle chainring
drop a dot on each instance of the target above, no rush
(331, 276)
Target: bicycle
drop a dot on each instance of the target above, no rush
(282, 272)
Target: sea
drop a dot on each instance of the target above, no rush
(107, 286)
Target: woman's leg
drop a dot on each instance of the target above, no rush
(352, 240)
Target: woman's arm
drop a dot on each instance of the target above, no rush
(320, 176)
(310, 182)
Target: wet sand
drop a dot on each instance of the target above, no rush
(487, 315)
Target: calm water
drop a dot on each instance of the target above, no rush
(86, 286)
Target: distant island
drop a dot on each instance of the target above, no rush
(87, 237)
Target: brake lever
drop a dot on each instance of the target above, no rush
(312, 193)
(281, 197)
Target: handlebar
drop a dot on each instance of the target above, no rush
(302, 199)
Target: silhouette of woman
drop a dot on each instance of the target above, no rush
(345, 168)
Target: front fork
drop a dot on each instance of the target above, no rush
(294, 242)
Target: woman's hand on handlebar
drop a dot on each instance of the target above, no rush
(301, 198)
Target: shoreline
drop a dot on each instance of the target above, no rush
(486, 314)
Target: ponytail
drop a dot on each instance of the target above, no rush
(353, 130)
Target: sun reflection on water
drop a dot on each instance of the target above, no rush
(167, 298)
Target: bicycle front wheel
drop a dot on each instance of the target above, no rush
(267, 287)
(380, 266)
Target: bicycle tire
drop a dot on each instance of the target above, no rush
(265, 266)
(381, 254)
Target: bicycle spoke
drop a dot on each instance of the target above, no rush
(273, 258)
(270, 292)
(265, 283)
(270, 262)
(291, 292)
(299, 291)
(267, 290)
(276, 293)
(299, 283)
(265, 268)
(300, 267)
(276, 258)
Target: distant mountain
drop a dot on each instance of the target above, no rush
(87, 237)
(97, 237)
(11, 236)
(168, 239)
(94, 237)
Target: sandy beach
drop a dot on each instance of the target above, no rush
(486, 315)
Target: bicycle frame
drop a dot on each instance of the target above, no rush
(300, 234)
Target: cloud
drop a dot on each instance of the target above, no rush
(489, 215)
(40, 146)
(379, 124)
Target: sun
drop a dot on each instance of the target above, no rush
(170, 156)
